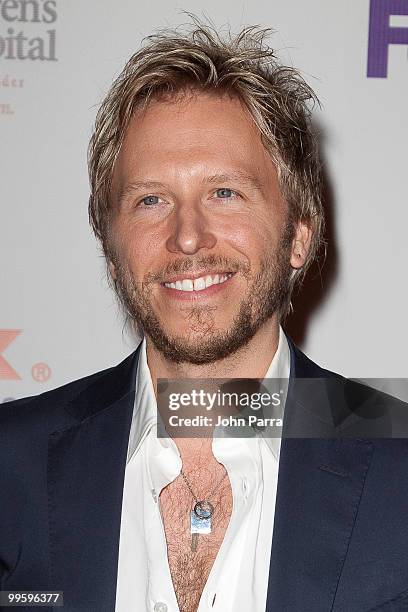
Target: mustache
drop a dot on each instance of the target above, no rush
(211, 263)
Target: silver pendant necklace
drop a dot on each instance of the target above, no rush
(201, 514)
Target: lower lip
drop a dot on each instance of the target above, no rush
(197, 295)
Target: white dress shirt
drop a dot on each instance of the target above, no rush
(238, 579)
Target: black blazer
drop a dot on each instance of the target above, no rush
(340, 539)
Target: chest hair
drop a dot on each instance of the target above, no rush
(190, 570)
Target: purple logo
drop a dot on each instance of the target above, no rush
(381, 34)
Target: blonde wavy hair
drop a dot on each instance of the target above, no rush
(198, 57)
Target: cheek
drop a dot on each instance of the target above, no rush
(136, 249)
(251, 237)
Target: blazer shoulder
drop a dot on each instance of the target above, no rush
(301, 366)
(355, 407)
(46, 406)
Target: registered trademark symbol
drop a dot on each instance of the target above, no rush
(41, 372)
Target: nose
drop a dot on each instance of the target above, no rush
(189, 231)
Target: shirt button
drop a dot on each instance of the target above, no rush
(159, 606)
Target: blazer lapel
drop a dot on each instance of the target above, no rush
(86, 465)
(319, 490)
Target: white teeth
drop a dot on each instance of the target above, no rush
(198, 284)
(187, 285)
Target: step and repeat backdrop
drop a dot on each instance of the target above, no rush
(58, 319)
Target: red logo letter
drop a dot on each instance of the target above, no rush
(6, 337)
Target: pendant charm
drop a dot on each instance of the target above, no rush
(200, 521)
(199, 525)
(194, 542)
(203, 509)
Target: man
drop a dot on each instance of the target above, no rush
(205, 195)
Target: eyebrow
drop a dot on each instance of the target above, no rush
(135, 186)
(239, 175)
(243, 177)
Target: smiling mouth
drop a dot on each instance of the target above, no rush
(199, 284)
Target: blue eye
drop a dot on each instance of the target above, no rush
(150, 200)
(224, 192)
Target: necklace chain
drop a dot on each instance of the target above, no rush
(192, 492)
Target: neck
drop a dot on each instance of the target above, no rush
(251, 361)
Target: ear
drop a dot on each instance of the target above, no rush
(301, 244)
(112, 269)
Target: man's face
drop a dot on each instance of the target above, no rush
(200, 241)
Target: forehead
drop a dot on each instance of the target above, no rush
(192, 134)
